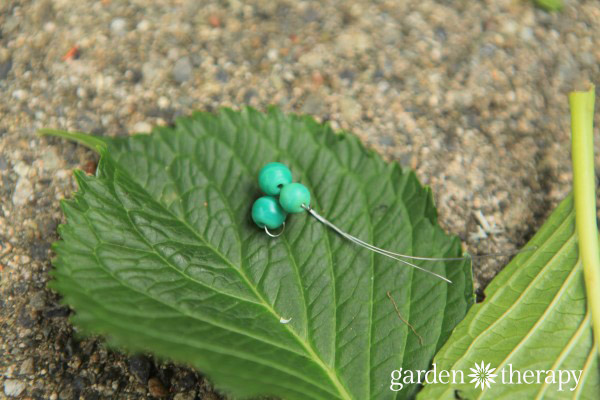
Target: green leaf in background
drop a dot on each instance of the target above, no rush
(533, 318)
(549, 5)
(159, 254)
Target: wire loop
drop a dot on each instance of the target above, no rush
(275, 235)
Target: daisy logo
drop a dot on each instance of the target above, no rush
(482, 375)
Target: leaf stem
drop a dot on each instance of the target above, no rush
(90, 141)
(584, 188)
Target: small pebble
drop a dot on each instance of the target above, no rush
(272, 54)
(350, 109)
(66, 393)
(527, 34)
(142, 127)
(386, 141)
(26, 367)
(38, 301)
(163, 102)
(156, 388)
(51, 160)
(139, 366)
(22, 169)
(182, 70)
(5, 68)
(313, 104)
(184, 396)
(19, 94)
(118, 26)
(23, 191)
(143, 25)
(214, 21)
(13, 387)
(222, 75)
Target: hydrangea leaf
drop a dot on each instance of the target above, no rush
(159, 254)
(534, 317)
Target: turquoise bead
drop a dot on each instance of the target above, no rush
(266, 211)
(293, 196)
(272, 177)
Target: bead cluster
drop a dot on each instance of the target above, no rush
(284, 196)
(275, 179)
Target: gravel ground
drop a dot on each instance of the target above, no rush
(470, 94)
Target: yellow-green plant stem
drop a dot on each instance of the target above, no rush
(584, 188)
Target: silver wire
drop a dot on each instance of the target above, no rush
(465, 257)
(277, 235)
(368, 246)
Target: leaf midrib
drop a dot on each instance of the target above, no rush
(292, 258)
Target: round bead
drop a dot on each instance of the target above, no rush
(293, 196)
(272, 177)
(266, 211)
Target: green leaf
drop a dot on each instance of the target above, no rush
(549, 5)
(159, 254)
(534, 317)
